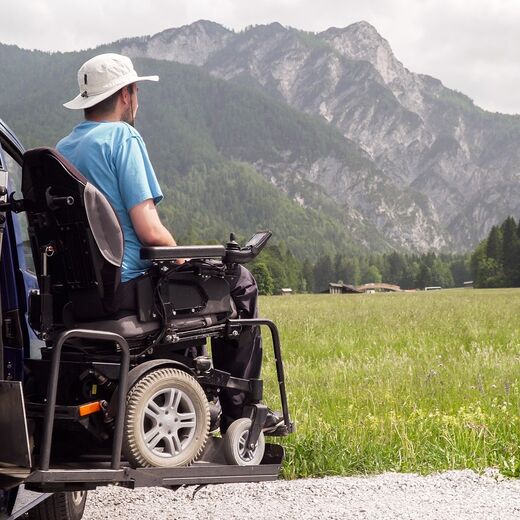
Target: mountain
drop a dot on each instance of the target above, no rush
(325, 137)
(448, 170)
(204, 137)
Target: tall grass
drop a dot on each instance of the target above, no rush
(403, 382)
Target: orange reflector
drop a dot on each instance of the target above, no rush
(87, 409)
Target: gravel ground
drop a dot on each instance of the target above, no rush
(452, 495)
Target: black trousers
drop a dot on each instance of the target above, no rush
(241, 357)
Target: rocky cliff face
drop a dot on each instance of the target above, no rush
(443, 171)
(191, 44)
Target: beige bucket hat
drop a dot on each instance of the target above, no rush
(102, 76)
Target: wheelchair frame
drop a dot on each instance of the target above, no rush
(55, 479)
(48, 477)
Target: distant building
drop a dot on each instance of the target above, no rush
(433, 288)
(379, 287)
(468, 285)
(341, 288)
(285, 291)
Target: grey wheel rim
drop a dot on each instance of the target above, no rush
(169, 422)
(245, 453)
(77, 497)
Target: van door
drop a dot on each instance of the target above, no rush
(12, 288)
(3, 199)
(14, 439)
(19, 277)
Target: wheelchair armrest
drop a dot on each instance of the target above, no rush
(159, 253)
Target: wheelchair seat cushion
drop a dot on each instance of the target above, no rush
(128, 326)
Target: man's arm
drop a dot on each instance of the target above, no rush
(148, 225)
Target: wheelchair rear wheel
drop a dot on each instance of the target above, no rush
(167, 420)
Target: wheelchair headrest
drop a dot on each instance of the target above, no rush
(67, 212)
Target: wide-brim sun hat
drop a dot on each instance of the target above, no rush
(102, 76)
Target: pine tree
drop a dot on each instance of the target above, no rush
(372, 275)
(424, 278)
(263, 278)
(511, 252)
(323, 273)
(395, 268)
(353, 272)
(308, 275)
(494, 244)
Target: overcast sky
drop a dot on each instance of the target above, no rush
(470, 45)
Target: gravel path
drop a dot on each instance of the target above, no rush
(452, 495)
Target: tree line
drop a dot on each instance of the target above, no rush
(495, 261)
(276, 268)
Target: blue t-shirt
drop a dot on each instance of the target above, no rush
(113, 157)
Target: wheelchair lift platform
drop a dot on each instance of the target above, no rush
(89, 472)
(211, 469)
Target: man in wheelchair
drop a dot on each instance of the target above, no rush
(115, 268)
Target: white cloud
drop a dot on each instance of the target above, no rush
(473, 47)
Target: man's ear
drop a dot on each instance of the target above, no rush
(125, 96)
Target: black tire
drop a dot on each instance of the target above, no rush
(235, 449)
(60, 506)
(167, 420)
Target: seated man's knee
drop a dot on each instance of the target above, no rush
(244, 292)
(246, 276)
(243, 279)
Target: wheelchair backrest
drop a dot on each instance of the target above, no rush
(74, 218)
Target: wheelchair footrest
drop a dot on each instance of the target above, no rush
(281, 431)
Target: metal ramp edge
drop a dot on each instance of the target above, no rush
(78, 477)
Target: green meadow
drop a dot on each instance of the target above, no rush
(416, 382)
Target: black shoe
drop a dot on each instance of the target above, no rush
(274, 422)
(215, 414)
(224, 423)
(214, 426)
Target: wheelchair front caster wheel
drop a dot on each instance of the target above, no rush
(167, 420)
(236, 451)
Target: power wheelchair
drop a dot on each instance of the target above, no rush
(124, 374)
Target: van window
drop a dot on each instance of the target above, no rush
(15, 179)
